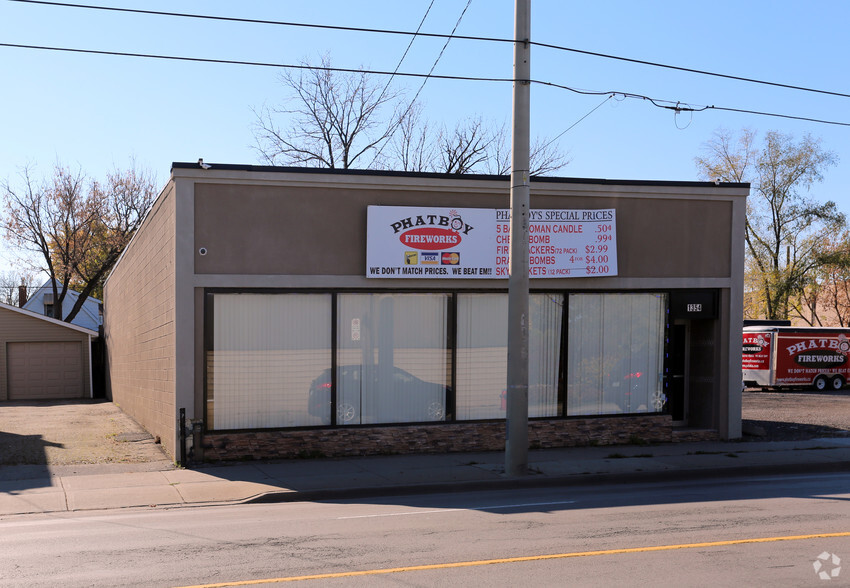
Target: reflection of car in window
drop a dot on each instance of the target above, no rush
(425, 401)
(622, 394)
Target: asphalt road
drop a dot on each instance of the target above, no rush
(748, 531)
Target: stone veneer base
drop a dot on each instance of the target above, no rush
(440, 438)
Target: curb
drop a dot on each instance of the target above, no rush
(543, 481)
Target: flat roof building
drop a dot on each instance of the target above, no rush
(296, 311)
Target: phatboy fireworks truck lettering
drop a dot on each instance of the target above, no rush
(796, 356)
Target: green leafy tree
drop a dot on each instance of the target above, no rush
(786, 227)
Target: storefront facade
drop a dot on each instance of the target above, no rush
(295, 312)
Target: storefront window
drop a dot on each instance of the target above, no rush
(544, 353)
(482, 355)
(267, 352)
(393, 360)
(269, 365)
(615, 353)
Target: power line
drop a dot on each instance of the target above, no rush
(443, 36)
(443, 50)
(265, 22)
(425, 80)
(251, 63)
(400, 61)
(682, 107)
(569, 128)
(667, 104)
(692, 70)
(409, 45)
(788, 116)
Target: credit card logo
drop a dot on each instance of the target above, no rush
(450, 258)
(429, 258)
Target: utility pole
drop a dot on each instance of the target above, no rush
(516, 426)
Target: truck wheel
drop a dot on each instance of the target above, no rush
(836, 383)
(820, 383)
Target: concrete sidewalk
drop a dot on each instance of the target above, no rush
(45, 489)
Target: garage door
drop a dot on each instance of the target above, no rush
(45, 371)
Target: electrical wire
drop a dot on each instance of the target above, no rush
(679, 107)
(439, 35)
(409, 45)
(424, 81)
(251, 63)
(691, 70)
(264, 22)
(775, 115)
(666, 104)
(443, 50)
(568, 129)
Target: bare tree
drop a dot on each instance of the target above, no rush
(10, 284)
(338, 119)
(499, 162)
(544, 157)
(411, 148)
(465, 148)
(332, 119)
(77, 228)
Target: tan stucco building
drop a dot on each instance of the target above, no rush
(304, 312)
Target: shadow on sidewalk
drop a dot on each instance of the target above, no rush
(706, 494)
(644, 476)
(23, 462)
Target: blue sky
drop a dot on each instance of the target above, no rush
(98, 112)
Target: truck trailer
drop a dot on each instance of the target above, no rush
(782, 356)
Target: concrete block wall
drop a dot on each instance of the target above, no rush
(456, 437)
(139, 303)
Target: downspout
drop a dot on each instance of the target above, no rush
(91, 381)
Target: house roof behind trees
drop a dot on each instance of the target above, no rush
(89, 316)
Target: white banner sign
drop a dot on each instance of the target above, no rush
(421, 242)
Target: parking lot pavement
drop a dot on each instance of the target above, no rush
(795, 415)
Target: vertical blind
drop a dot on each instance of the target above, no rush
(270, 361)
(267, 351)
(482, 355)
(616, 353)
(393, 358)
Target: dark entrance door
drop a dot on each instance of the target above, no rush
(676, 354)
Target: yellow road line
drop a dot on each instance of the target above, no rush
(485, 562)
